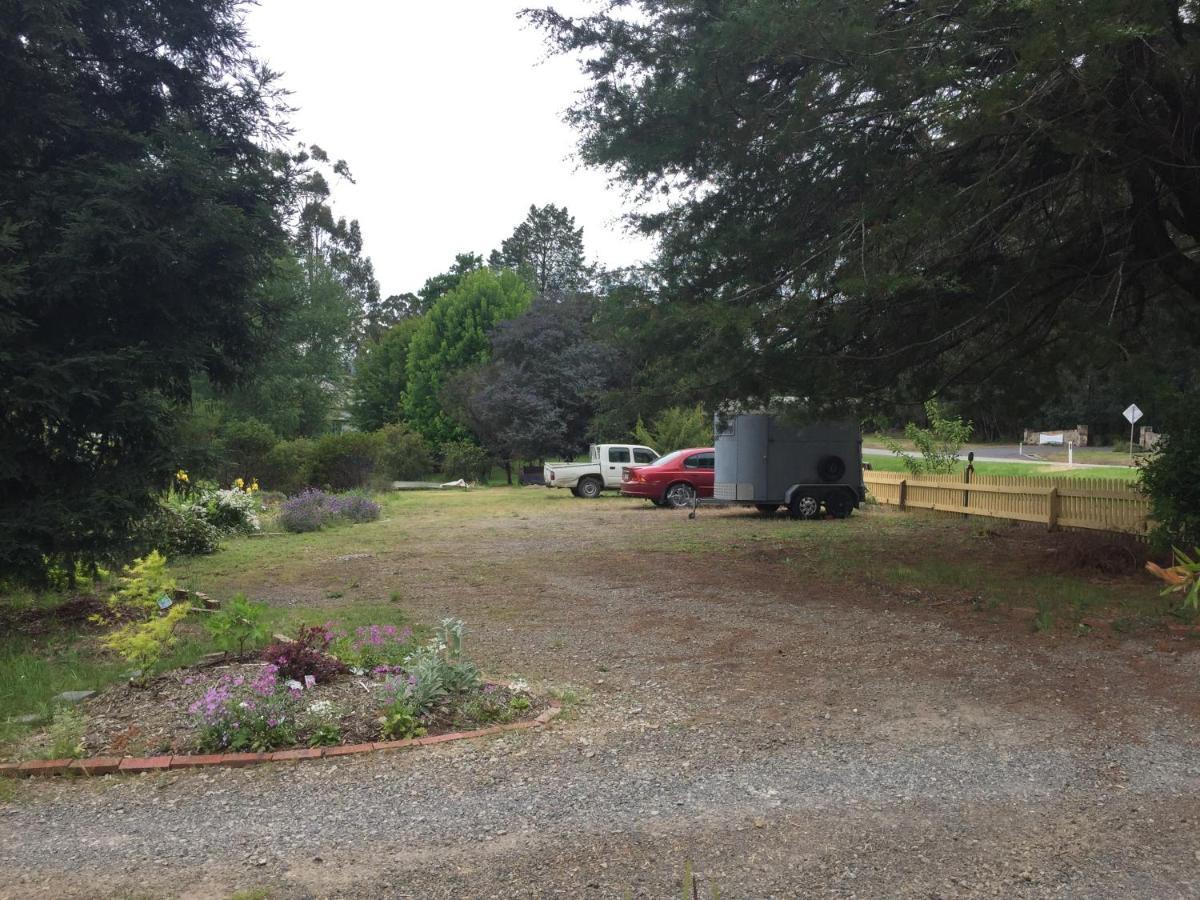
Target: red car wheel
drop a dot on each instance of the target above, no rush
(679, 495)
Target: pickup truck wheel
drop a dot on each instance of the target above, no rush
(575, 491)
(679, 495)
(804, 506)
(589, 488)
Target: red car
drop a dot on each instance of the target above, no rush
(673, 480)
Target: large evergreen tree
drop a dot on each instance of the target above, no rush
(892, 196)
(139, 209)
(547, 249)
(381, 377)
(453, 336)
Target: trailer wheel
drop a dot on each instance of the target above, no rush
(839, 505)
(679, 495)
(804, 506)
(767, 509)
(589, 488)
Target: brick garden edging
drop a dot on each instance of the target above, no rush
(132, 765)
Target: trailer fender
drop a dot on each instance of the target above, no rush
(821, 491)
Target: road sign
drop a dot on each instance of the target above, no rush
(1133, 413)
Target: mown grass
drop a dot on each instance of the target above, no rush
(1109, 456)
(991, 563)
(882, 463)
(33, 670)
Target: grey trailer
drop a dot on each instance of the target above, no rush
(766, 463)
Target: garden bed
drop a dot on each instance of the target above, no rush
(326, 688)
(155, 718)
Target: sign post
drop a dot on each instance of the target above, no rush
(1132, 414)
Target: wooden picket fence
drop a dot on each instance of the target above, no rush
(1100, 504)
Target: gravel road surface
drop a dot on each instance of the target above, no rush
(781, 737)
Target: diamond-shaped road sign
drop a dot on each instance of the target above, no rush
(1133, 413)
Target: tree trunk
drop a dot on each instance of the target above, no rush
(508, 471)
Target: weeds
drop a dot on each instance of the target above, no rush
(1043, 619)
(64, 737)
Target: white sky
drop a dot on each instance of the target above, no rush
(449, 114)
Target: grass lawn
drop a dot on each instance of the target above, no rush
(1125, 473)
(1104, 456)
(431, 550)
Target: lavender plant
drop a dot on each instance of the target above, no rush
(240, 715)
(313, 509)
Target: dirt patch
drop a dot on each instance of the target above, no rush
(790, 708)
(34, 621)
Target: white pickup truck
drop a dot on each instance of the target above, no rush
(588, 479)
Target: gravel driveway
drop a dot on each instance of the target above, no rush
(781, 735)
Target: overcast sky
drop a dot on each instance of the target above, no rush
(450, 116)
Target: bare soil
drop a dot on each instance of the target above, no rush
(770, 709)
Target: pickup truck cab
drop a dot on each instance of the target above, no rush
(603, 470)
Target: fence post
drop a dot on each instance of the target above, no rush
(1052, 518)
(967, 472)
(903, 491)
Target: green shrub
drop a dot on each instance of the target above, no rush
(347, 460)
(65, 734)
(1172, 475)
(403, 454)
(939, 444)
(676, 428)
(247, 444)
(288, 467)
(183, 530)
(142, 584)
(1181, 578)
(462, 459)
(144, 643)
(400, 721)
(238, 624)
(151, 633)
(231, 511)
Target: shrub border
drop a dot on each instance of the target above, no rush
(132, 765)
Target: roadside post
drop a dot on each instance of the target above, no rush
(1070, 454)
(1132, 414)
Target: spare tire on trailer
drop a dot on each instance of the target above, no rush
(831, 469)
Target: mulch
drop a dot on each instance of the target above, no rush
(153, 718)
